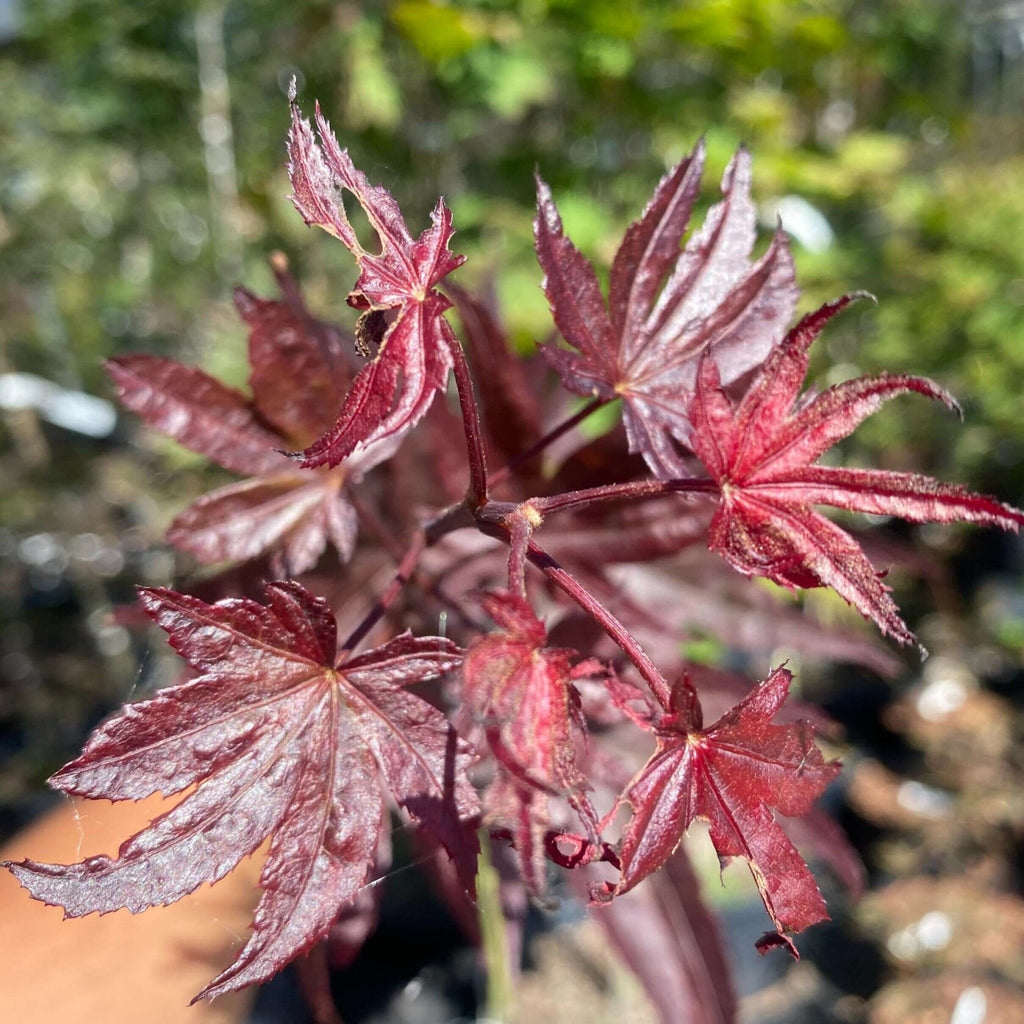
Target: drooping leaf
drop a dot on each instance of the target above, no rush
(280, 741)
(197, 411)
(299, 374)
(524, 695)
(300, 367)
(732, 774)
(666, 307)
(403, 314)
(523, 810)
(761, 453)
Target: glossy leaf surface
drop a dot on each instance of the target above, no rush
(279, 741)
(732, 774)
(761, 452)
(666, 306)
(402, 326)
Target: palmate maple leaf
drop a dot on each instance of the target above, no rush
(643, 346)
(280, 741)
(523, 694)
(403, 316)
(732, 774)
(299, 374)
(761, 453)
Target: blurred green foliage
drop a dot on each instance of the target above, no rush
(144, 167)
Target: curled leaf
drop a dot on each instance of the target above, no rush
(395, 285)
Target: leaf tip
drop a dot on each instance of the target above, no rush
(546, 205)
(737, 174)
(63, 780)
(246, 303)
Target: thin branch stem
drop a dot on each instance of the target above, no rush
(470, 421)
(520, 530)
(620, 492)
(391, 591)
(625, 640)
(429, 585)
(549, 438)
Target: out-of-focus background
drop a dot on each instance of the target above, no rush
(142, 176)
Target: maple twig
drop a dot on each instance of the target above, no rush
(394, 546)
(520, 527)
(620, 492)
(390, 592)
(470, 422)
(625, 640)
(549, 438)
(455, 517)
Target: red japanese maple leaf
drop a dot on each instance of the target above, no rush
(403, 313)
(299, 376)
(761, 453)
(280, 741)
(732, 774)
(523, 694)
(644, 345)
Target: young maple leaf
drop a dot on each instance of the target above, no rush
(523, 693)
(403, 316)
(644, 345)
(282, 742)
(732, 774)
(761, 453)
(298, 378)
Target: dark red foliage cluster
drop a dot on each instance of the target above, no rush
(525, 731)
